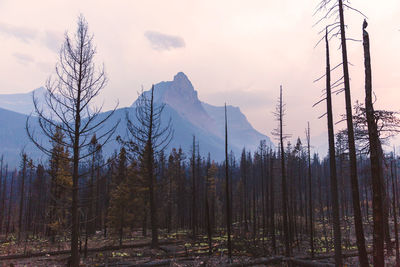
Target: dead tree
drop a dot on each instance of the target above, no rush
(68, 105)
(272, 204)
(228, 203)
(147, 139)
(279, 114)
(332, 162)
(363, 258)
(377, 201)
(24, 162)
(208, 223)
(3, 200)
(336, 7)
(194, 211)
(394, 197)
(10, 202)
(310, 192)
(1, 193)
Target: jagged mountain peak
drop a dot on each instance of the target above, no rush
(182, 79)
(180, 89)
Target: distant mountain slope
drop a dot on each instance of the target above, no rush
(189, 117)
(13, 137)
(183, 133)
(21, 103)
(241, 132)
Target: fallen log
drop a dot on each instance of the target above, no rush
(272, 260)
(99, 249)
(153, 263)
(307, 263)
(165, 262)
(348, 254)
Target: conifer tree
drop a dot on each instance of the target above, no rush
(119, 196)
(60, 187)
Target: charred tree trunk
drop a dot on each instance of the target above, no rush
(194, 211)
(377, 201)
(10, 201)
(310, 193)
(362, 252)
(22, 194)
(3, 201)
(150, 170)
(332, 164)
(273, 237)
(284, 186)
(208, 223)
(228, 207)
(396, 233)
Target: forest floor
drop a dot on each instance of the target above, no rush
(176, 249)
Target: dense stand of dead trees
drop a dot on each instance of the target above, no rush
(257, 206)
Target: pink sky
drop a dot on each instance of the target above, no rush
(233, 51)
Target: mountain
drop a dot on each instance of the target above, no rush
(21, 103)
(189, 116)
(13, 137)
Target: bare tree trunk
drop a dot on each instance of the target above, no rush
(10, 200)
(228, 204)
(284, 186)
(396, 233)
(150, 169)
(362, 252)
(75, 186)
(377, 201)
(2, 192)
(332, 163)
(262, 198)
(22, 192)
(272, 195)
(310, 193)
(194, 211)
(209, 233)
(3, 201)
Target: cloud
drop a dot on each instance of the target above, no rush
(23, 58)
(161, 41)
(22, 33)
(52, 40)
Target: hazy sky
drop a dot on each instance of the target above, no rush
(233, 51)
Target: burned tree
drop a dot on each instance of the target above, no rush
(310, 199)
(193, 165)
(69, 106)
(148, 137)
(337, 28)
(332, 162)
(228, 203)
(376, 174)
(332, 153)
(24, 162)
(278, 132)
